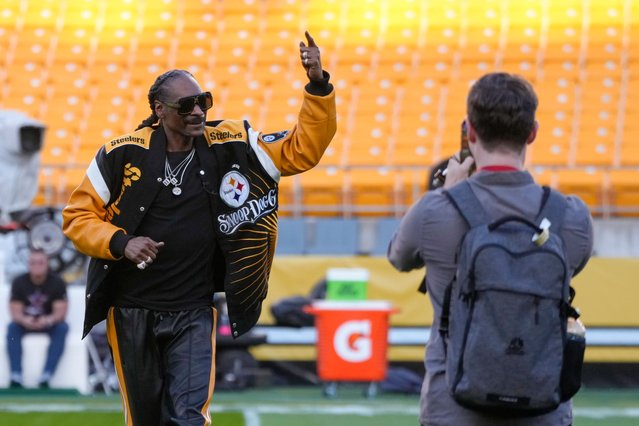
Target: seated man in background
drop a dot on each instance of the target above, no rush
(38, 304)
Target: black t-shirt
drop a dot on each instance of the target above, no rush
(179, 277)
(38, 299)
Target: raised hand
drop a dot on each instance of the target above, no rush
(310, 56)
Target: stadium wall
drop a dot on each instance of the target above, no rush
(606, 295)
(617, 237)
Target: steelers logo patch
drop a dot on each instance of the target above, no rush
(274, 137)
(234, 189)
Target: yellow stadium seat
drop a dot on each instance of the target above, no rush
(280, 14)
(411, 154)
(629, 149)
(444, 14)
(115, 35)
(441, 45)
(153, 50)
(229, 73)
(244, 104)
(288, 196)
(598, 154)
(543, 176)
(60, 141)
(28, 100)
(604, 50)
(234, 29)
(549, 150)
(596, 144)
(524, 12)
(111, 113)
(556, 96)
(81, 14)
(276, 118)
(566, 13)
(562, 50)
(528, 35)
(85, 154)
(585, 183)
(398, 52)
(323, 191)
(30, 50)
(278, 48)
(414, 183)
(68, 75)
(392, 72)
(520, 52)
(335, 154)
(434, 69)
(193, 52)
(268, 70)
(473, 70)
(49, 181)
(421, 92)
(111, 55)
(601, 93)
(481, 44)
(365, 150)
(375, 192)
(160, 15)
(10, 13)
(624, 191)
(143, 72)
(556, 71)
(607, 13)
(72, 51)
(54, 153)
(404, 32)
(26, 76)
(66, 110)
(70, 180)
(526, 68)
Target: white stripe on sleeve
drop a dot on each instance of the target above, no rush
(263, 156)
(96, 179)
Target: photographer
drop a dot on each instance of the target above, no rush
(501, 124)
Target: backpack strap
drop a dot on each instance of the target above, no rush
(468, 206)
(553, 207)
(444, 319)
(464, 200)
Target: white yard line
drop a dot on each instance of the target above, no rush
(252, 415)
(251, 418)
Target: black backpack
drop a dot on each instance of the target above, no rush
(505, 314)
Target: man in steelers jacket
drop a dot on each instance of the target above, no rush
(175, 211)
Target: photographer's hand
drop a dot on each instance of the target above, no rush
(456, 171)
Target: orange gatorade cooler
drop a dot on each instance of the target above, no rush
(352, 340)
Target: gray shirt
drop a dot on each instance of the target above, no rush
(429, 234)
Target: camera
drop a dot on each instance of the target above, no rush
(439, 173)
(21, 140)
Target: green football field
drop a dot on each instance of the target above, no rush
(292, 406)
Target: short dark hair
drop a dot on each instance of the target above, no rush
(501, 107)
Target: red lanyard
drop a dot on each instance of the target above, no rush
(499, 169)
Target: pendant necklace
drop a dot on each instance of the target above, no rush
(170, 175)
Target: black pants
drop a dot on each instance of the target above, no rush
(165, 363)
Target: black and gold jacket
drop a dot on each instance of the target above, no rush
(239, 168)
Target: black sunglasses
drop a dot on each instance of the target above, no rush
(185, 106)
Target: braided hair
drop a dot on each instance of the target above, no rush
(155, 92)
